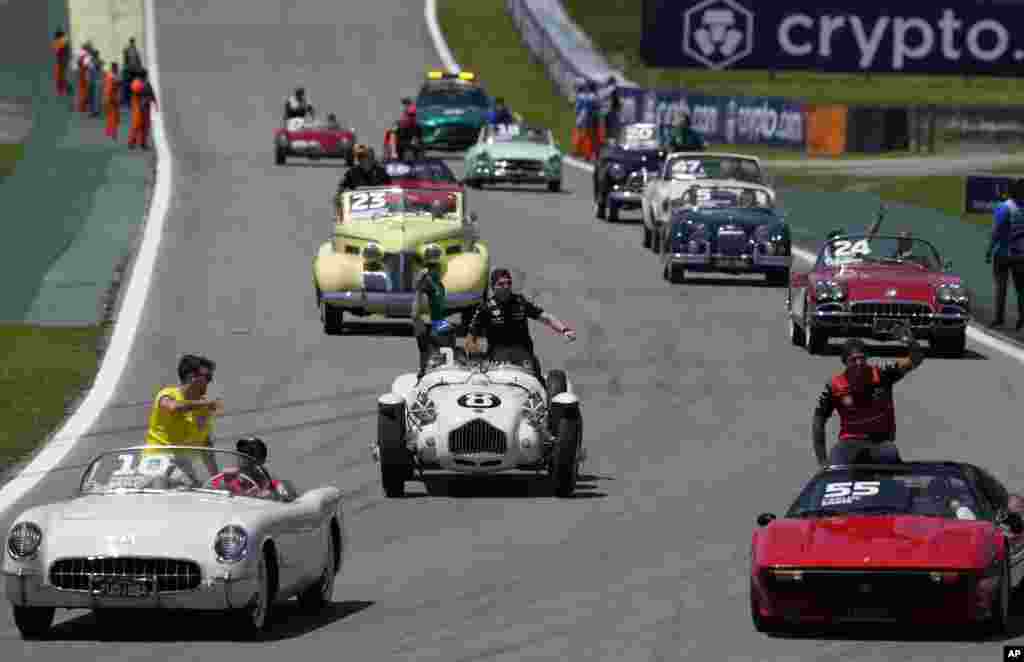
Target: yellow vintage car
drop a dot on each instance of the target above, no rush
(383, 238)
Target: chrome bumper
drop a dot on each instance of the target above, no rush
(921, 324)
(755, 263)
(28, 589)
(400, 303)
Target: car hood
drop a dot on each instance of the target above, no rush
(506, 415)
(172, 524)
(878, 281)
(435, 115)
(408, 182)
(520, 151)
(396, 235)
(871, 541)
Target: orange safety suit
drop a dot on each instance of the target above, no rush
(112, 104)
(60, 67)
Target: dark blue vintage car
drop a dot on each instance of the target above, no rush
(728, 229)
(623, 169)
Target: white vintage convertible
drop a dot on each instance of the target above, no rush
(479, 417)
(175, 528)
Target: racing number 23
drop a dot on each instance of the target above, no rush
(862, 488)
(365, 201)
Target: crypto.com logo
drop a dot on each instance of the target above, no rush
(718, 32)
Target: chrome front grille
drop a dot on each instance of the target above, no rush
(168, 575)
(525, 165)
(732, 243)
(866, 311)
(477, 436)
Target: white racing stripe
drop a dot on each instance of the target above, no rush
(116, 357)
(441, 46)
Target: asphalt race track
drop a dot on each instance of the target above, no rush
(697, 409)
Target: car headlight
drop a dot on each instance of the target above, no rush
(423, 410)
(232, 544)
(23, 541)
(484, 156)
(953, 293)
(830, 291)
(372, 251)
(535, 410)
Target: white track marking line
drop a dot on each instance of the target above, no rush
(116, 357)
(441, 46)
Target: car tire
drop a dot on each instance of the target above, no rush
(999, 621)
(279, 157)
(564, 465)
(555, 187)
(778, 278)
(318, 595)
(557, 382)
(613, 212)
(796, 333)
(33, 622)
(951, 346)
(600, 208)
(815, 340)
(256, 619)
(395, 460)
(656, 241)
(647, 236)
(675, 274)
(334, 319)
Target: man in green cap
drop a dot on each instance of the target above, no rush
(430, 315)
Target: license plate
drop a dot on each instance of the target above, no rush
(885, 324)
(123, 588)
(868, 613)
(733, 262)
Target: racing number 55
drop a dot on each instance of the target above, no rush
(861, 488)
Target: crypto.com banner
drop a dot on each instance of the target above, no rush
(911, 36)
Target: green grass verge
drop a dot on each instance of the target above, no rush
(10, 154)
(41, 370)
(615, 28)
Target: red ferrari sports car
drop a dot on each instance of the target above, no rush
(920, 543)
(314, 138)
(864, 286)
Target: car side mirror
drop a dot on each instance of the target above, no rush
(1014, 522)
(764, 519)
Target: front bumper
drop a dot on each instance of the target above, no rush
(496, 174)
(394, 304)
(716, 263)
(837, 319)
(232, 590)
(314, 149)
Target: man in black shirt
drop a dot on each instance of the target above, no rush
(502, 319)
(366, 173)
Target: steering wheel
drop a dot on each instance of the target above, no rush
(242, 483)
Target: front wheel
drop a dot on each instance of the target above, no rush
(33, 622)
(395, 461)
(279, 156)
(565, 467)
(555, 187)
(257, 618)
(951, 346)
(333, 319)
(318, 595)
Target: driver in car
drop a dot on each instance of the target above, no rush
(503, 318)
(297, 105)
(246, 479)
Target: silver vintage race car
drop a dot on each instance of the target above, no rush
(479, 417)
(175, 528)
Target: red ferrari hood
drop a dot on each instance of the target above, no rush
(873, 541)
(879, 281)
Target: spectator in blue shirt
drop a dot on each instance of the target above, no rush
(500, 114)
(1006, 252)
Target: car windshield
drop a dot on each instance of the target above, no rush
(715, 167)
(519, 133)
(452, 95)
(175, 469)
(859, 249)
(929, 492)
(640, 137)
(383, 204)
(719, 197)
(435, 171)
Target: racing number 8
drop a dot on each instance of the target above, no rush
(862, 488)
(845, 248)
(367, 201)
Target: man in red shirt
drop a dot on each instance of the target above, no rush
(862, 394)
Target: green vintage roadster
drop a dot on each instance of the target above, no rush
(514, 154)
(383, 238)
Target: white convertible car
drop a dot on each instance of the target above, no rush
(479, 417)
(175, 528)
(679, 172)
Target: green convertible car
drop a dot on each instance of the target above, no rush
(514, 154)
(450, 110)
